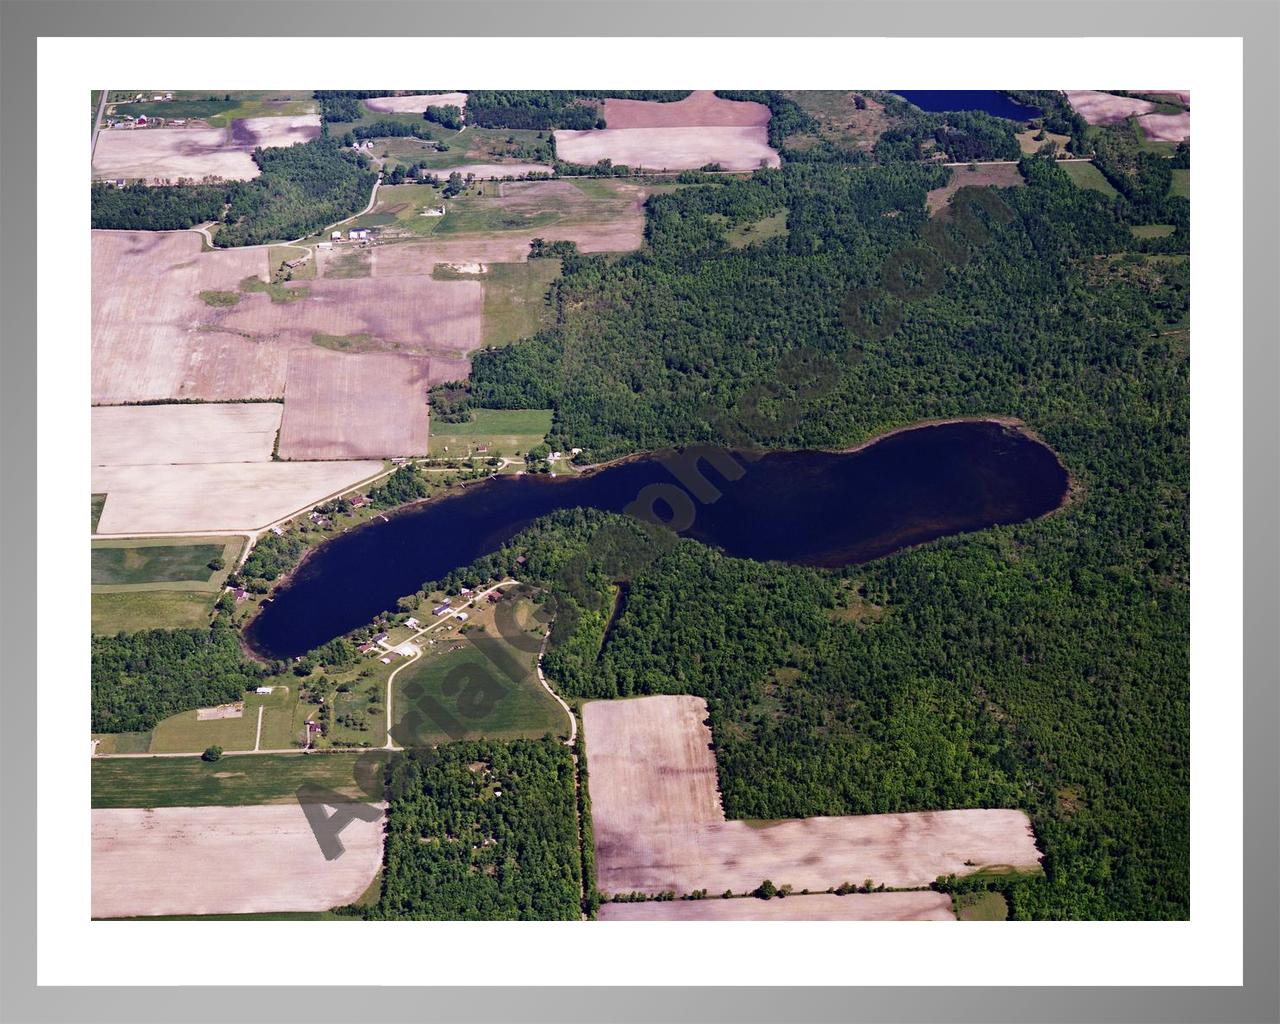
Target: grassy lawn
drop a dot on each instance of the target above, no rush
(277, 255)
(233, 781)
(515, 296)
(476, 687)
(504, 431)
(773, 226)
(123, 742)
(473, 146)
(132, 610)
(1151, 230)
(981, 906)
(114, 563)
(96, 501)
(1028, 144)
(185, 733)
(1087, 176)
(402, 206)
(359, 715)
(1181, 185)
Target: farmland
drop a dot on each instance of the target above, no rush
(219, 860)
(234, 496)
(341, 406)
(1105, 108)
(515, 300)
(670, 149)
(415, 103)
(149, 434)
(232, 782)
(129, 563)
(132, 610)
(659, 825)
(881, 906)
(218, 111)
(504, 431)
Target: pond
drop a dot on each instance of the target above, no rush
(806, 507)
(940, 101)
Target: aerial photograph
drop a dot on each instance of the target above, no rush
(640, 505)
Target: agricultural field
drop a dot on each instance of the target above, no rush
(482, 152)
(169, 564)
(224, 860)
(880, 906)
(1166, 127)
(1104, 107)
(145, 435)
(1086, 175)
(503, 431)
(977, 176)
(218, 111)
(670, 149)
(132, 610)
(659, 825)
(230, 782)
(234, 496)
(515, 300)
(416, 103)
(344, 406)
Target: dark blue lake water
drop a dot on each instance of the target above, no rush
(811, 508)
(941, 101)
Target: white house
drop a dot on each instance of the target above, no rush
(411, 622)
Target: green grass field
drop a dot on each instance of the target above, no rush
(504, 431)
(185, 733)
(773, 226)
(981, 906)
(515, 297)
(96, 502)
(1181, 185)
(473, 146)
(1151, 230)
(1088, 176)
(132, 610)
(279, 254)
(216, 108)
(359, 715)
(231, 781)
(123, 742)
(485, 691)
(153, 563)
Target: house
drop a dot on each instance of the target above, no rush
(441, 609)
(359, 501)
(119, 182)
(575, 451)
(521, 560)
(411, 622)
(336, 236)
(465, 591)
(365, 648)
(142, 119)
(495, 597)
(379, 638)
(277, 531)
(482, 449)
(241, 595)
(178, 122)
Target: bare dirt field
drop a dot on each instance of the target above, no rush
(421, 316)
(1104, 108)
(144, 435)
(220, 712)
(166, 154)
(701, 108)
(496, 170)
(1167, 127)
(999, 175)
(251, 132)
(224, 860)
(673, 149)
(416, 104)
(197, 498)
(343, 406)
(147, 314)
(881, 906)
(659, 825)
(155, 337)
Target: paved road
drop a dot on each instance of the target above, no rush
(97, 123)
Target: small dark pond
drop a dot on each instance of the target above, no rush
(812, 508)
(940, 101)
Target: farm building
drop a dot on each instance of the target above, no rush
(336, 236)
(460, 616)
(441, 609)
(357, 234)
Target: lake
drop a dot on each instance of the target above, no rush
(940, 101)
(806, 507)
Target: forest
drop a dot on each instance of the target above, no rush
(544, 109)
(481, 831)
(139, 678)
(301, 189)
(1043, 665)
